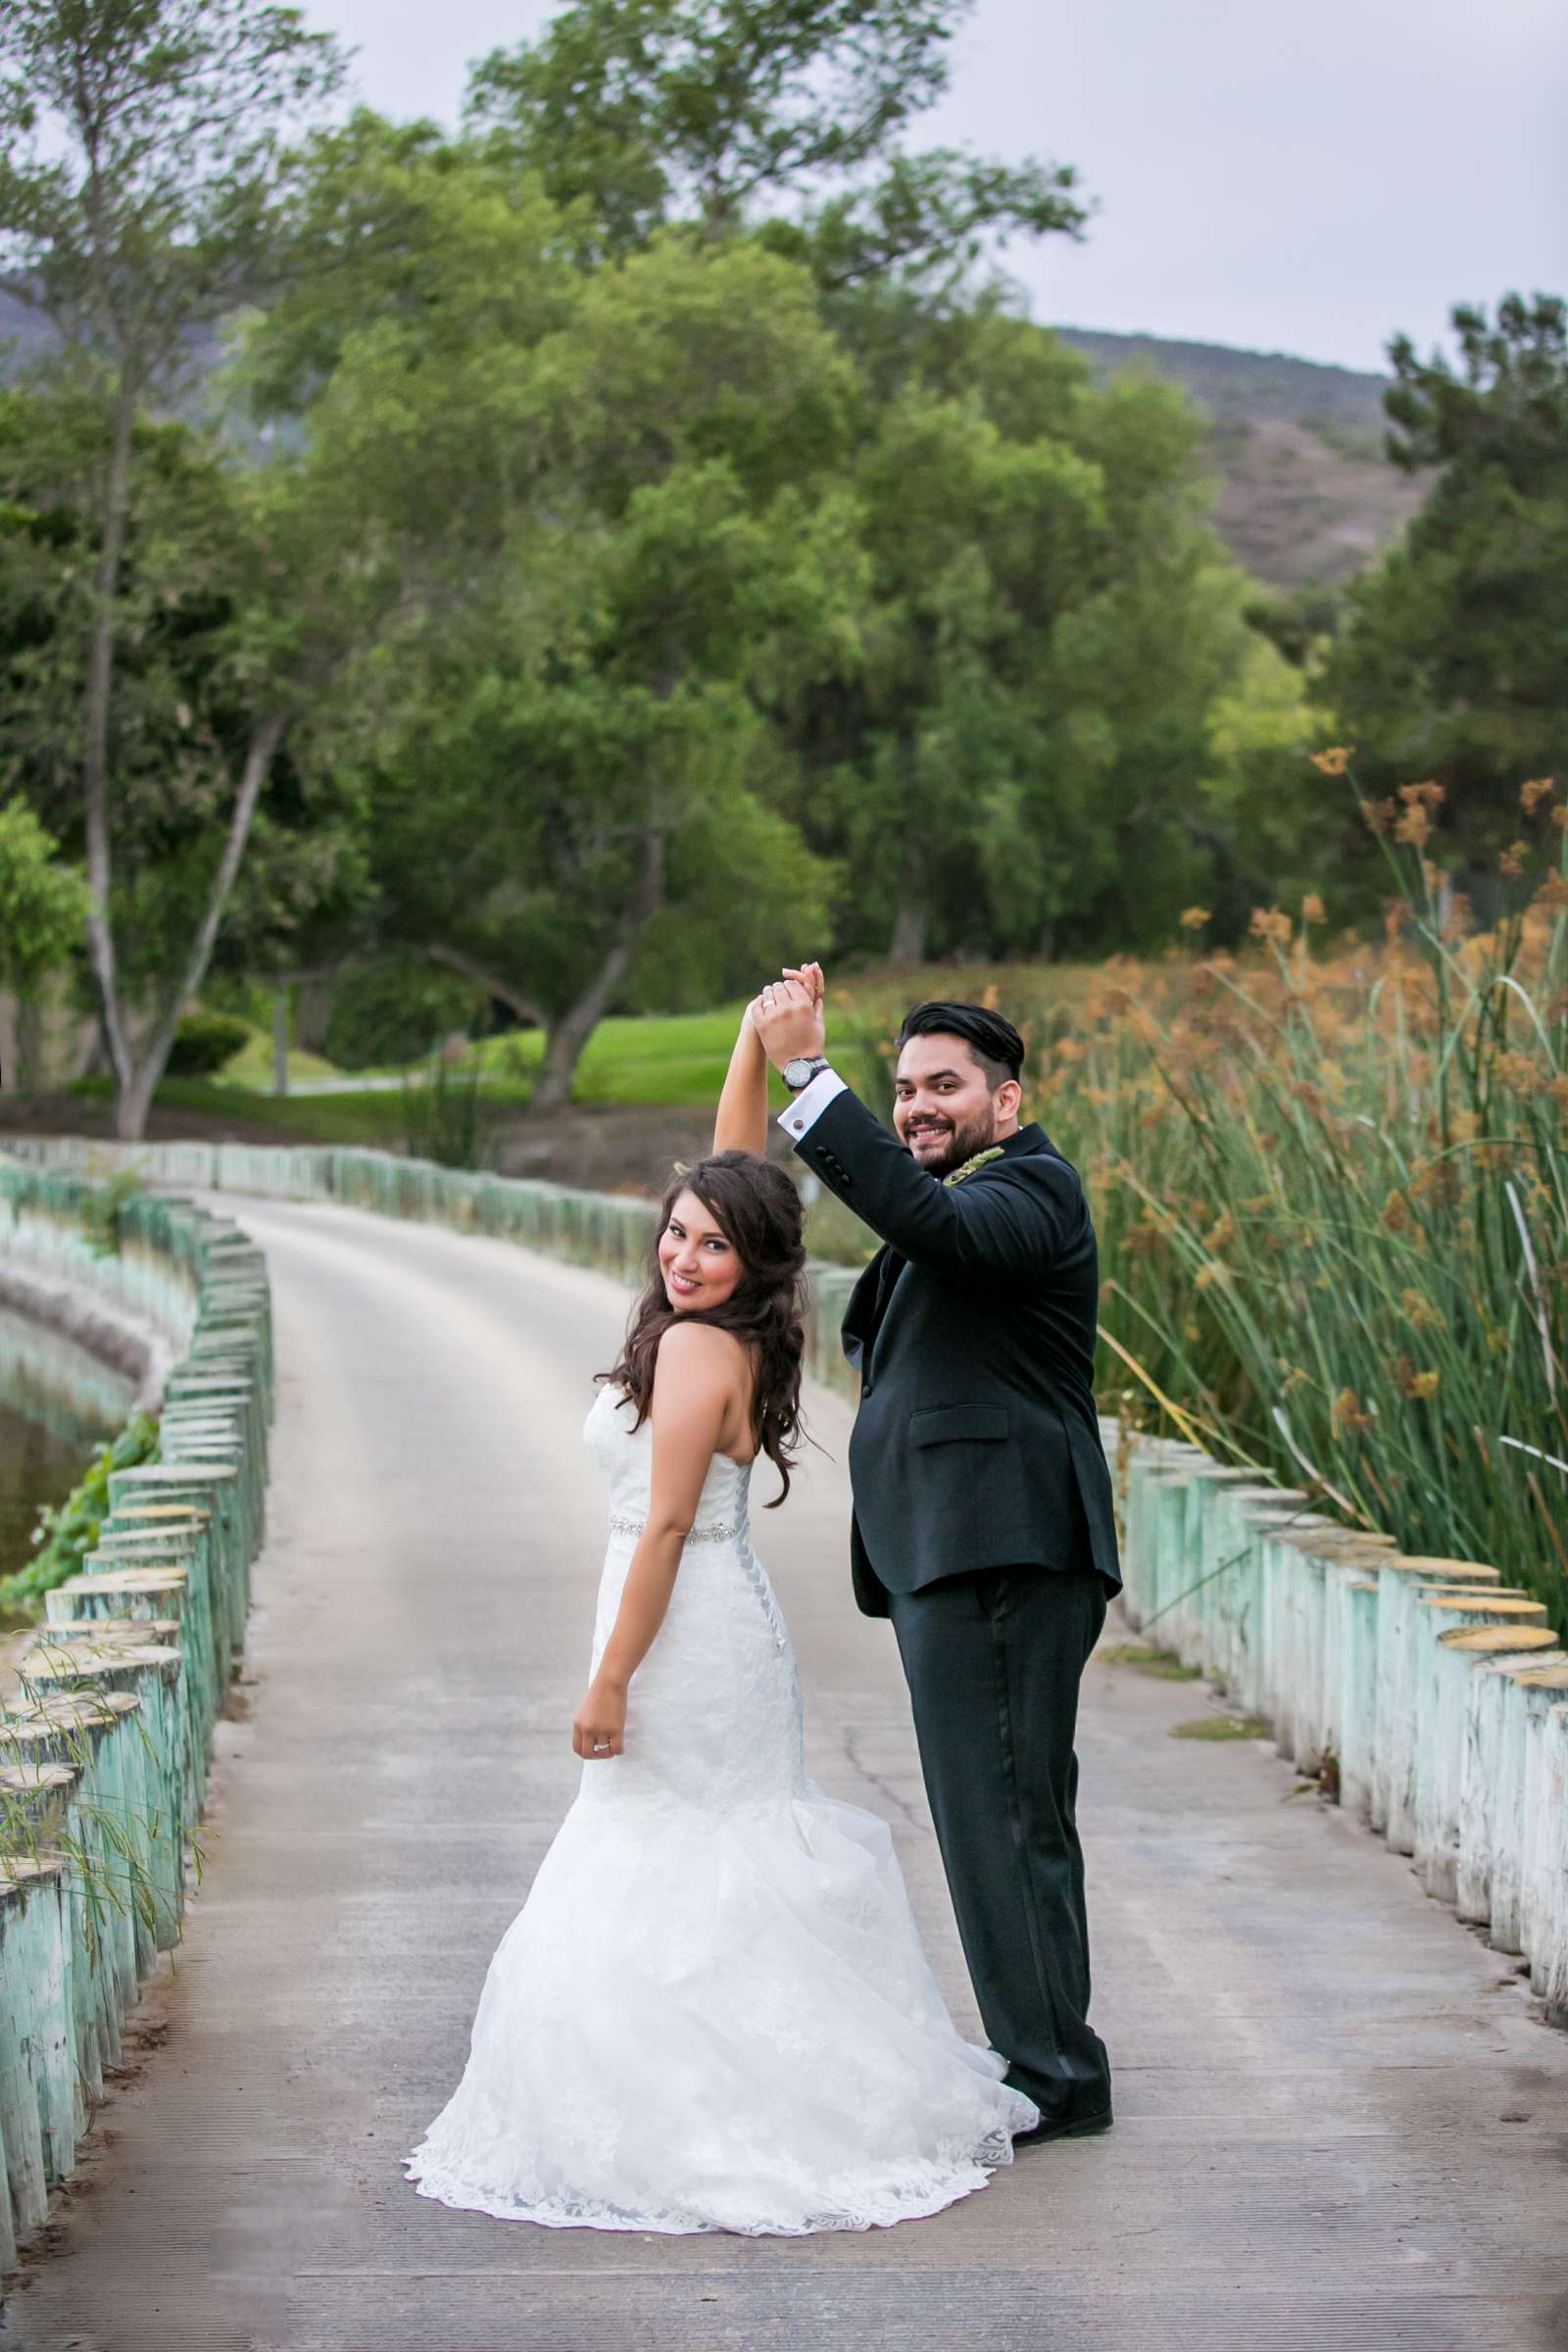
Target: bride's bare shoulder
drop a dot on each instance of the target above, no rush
(695, 1356)
(703, 1380)
(702, 1350)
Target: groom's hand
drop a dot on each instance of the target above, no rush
(788, 1018)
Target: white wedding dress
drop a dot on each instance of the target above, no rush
(712, 2012)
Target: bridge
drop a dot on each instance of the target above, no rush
(1340, 2121)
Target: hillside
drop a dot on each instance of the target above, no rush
(1307, 494)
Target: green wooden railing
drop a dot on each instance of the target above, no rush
(1428, 1695)
(104, 1747)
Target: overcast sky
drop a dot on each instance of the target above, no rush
(1283, 176)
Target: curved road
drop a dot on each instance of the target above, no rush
(1339, 2122)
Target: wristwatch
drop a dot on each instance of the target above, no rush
(802, 1068)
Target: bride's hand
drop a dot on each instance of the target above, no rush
(809, 975)
(600, 1728)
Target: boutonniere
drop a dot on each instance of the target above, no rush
(981, 1160)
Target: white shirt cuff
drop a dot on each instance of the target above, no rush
(805, 1109)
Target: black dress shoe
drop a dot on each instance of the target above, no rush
(1073, 2128)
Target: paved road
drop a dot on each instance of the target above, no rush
(1339, 2123)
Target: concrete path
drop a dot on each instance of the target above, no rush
(1339, 2123)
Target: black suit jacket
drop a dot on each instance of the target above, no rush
(976, 1443)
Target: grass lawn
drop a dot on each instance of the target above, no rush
(376, 1120)
(660, 1059)
(666, 1060)
(680, 1059)
(252, 1065)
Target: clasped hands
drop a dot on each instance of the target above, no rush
(789, 1015)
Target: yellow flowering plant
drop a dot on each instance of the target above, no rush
(1331, 1192)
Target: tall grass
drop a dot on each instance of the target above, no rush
(1331, 1188)
(447, 1116)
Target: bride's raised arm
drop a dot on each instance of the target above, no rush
(740, 1123)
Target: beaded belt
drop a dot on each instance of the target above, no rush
(716, 1532)
(723, 1532)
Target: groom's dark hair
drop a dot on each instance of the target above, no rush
(994, 1042)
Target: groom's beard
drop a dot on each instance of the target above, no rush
(940, 1157)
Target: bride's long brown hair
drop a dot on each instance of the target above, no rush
(759, 1211)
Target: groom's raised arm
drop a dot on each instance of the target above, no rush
(1010, 1221)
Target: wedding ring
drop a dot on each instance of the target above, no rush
(601, 1748)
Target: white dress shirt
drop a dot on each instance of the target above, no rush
(802, 1110)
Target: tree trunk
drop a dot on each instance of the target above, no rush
(572, 1032)
(95, 729)
(134, 1096)
(133, 1102)
(313, 1011)
(98, 1063)
(909, 933)
(29, 1045)
(280, 996)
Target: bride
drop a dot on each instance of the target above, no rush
(712, 2012)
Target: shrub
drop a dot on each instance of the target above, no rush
(101, 1208)
(67, 1536)
(204, 1042)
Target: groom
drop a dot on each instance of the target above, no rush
(981, 1521)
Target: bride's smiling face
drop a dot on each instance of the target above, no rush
(700, 1263)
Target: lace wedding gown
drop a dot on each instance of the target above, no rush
(712, 2012)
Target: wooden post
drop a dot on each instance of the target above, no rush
(1400, 1584)
(1490, 1650)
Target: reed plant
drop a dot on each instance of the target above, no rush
(1331, 1188)
(447, 1116)
(106, 1854)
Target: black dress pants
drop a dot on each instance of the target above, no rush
(993, 1661)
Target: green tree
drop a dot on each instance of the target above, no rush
(1449, 663)
(1271, 831)
(186, 760)
(42, 904)
(976, 545)
(232, 614)
(578, 847)
(636, 113)
(140, 167)
(1012, 756)
(303, 904)
(594, 501)
(542, 810)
